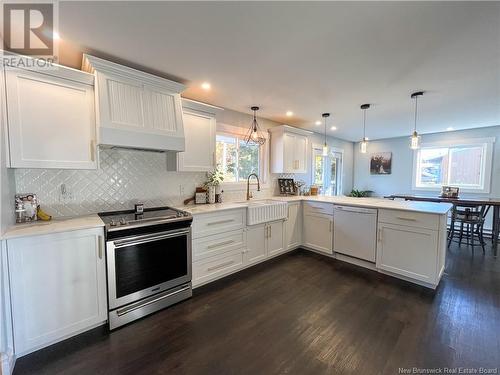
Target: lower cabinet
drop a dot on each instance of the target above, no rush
(293, 226)
(263, 241)
(58, 286)
(223, 253)
(318, 232)
(409, 251)
(256, 250)
(216, 267)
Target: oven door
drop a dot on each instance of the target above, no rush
(143, 265)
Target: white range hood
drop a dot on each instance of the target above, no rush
(135, 109)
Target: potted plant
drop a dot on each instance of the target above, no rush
(214, 179)
(360, 193)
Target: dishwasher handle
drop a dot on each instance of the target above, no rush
(360, 210)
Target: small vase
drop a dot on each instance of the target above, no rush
(211, 194)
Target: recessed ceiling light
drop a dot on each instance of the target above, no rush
(205, 86)
(317, 122)
(449, 128)
(333, 128)
(289, 113)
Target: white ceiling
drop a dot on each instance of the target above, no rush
(310, 57)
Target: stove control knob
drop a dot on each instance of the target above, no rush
(122, 221)
(112, 223)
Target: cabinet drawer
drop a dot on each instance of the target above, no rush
(215, 267)
(318, 208)
(217, 244)
(412, 219)
(220, 222)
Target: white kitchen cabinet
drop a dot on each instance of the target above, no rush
(289, 149)
(136, 109)
(318, 232)
(256, 250)
(264, 240)
(51, 119)
(408, 251)
(293, 226)
(58, 286)
(275, 238)
(199, 132)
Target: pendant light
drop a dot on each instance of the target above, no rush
(254, 134)
(325, 146)
(415, 138)
(364, 143)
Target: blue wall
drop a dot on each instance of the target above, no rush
(400, 181)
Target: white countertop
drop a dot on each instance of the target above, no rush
(93, 221)
(53, 226)
(423, 207)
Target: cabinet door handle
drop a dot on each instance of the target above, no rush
(99, 247)
(92, 150)
(220, 244)
(270, 232)
(220, 222)
(379, 234)
(331, 226)
(220, 266)
(214, 159)
(406, 218)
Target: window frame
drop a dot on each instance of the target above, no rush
(316, 147)
(487, 164)
(240, 132)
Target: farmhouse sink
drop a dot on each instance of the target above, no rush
(265, 210)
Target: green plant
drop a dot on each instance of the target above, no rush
(215, 178)
(359, 193)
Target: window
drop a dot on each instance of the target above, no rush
(327, 171)
(236, 158)
(466, 165)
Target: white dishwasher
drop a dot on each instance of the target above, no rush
(355, 232)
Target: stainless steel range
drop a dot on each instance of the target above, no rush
(148, 257)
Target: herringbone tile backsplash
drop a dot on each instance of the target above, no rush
(124, 177)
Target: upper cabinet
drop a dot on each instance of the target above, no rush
(136, 109)
(288, 149)
(199, 132)
(50, 118)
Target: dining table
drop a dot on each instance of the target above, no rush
(493, 203)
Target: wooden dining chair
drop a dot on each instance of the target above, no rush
(469, 218)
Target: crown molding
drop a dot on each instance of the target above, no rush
(97, 65)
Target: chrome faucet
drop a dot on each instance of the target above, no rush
(249, 195)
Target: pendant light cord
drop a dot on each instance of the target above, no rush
(364, 124)
(325, 131)
(416, 108)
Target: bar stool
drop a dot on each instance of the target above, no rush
(470, 219)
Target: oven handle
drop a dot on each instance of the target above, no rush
(141, 304)
(137, 240)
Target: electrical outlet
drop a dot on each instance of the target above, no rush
(181, 190)
(65, 194)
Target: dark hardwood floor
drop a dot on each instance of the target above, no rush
(303, 314)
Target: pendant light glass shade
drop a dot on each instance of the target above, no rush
(415, 138)
(325, 150)
(415, 141)
(254, 134)
(325, 145)
(363, 145)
